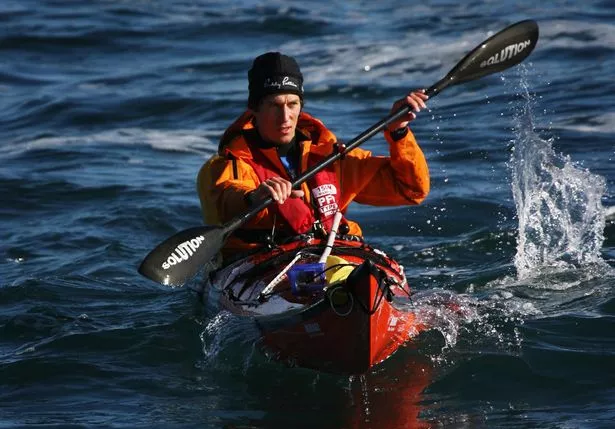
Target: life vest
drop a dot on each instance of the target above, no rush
(297, 213)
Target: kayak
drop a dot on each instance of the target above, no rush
(343, 315)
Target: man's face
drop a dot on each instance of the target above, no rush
(276, 117)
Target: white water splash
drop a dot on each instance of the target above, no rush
(445, 312)
(221, 338)
(561, 217)
(469, 322)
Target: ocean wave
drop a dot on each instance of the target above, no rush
(191, 141)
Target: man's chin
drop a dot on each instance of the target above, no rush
(284, 140)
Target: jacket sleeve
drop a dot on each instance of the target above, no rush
(221, 192)
(401, 179)
(223, 185)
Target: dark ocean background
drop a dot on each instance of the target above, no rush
(107, 110)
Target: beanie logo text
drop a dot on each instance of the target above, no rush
(286, 82)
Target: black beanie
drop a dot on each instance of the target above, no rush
(273, 73)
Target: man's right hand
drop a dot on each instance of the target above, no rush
(278, 188)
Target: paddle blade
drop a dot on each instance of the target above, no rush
(503, 50)
(180, 257)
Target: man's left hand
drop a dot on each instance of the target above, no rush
(416, 100)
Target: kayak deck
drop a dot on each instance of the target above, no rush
(355, 321)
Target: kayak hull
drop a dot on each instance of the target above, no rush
(350, 330)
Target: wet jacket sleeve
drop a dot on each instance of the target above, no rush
(401, 179)
(223, 185)
(222, 193)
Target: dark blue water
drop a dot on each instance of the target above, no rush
(107, 111)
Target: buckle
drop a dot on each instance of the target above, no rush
(319, 229)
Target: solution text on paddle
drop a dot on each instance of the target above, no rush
(183, 252)
(506, 53)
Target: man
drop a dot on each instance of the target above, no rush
(274, 141)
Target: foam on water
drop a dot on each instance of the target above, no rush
(561, 34)
(191, 141)
(604, 124)
(363, 62)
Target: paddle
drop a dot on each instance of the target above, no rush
(180, 257)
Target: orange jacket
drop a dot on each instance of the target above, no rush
(226, 178)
